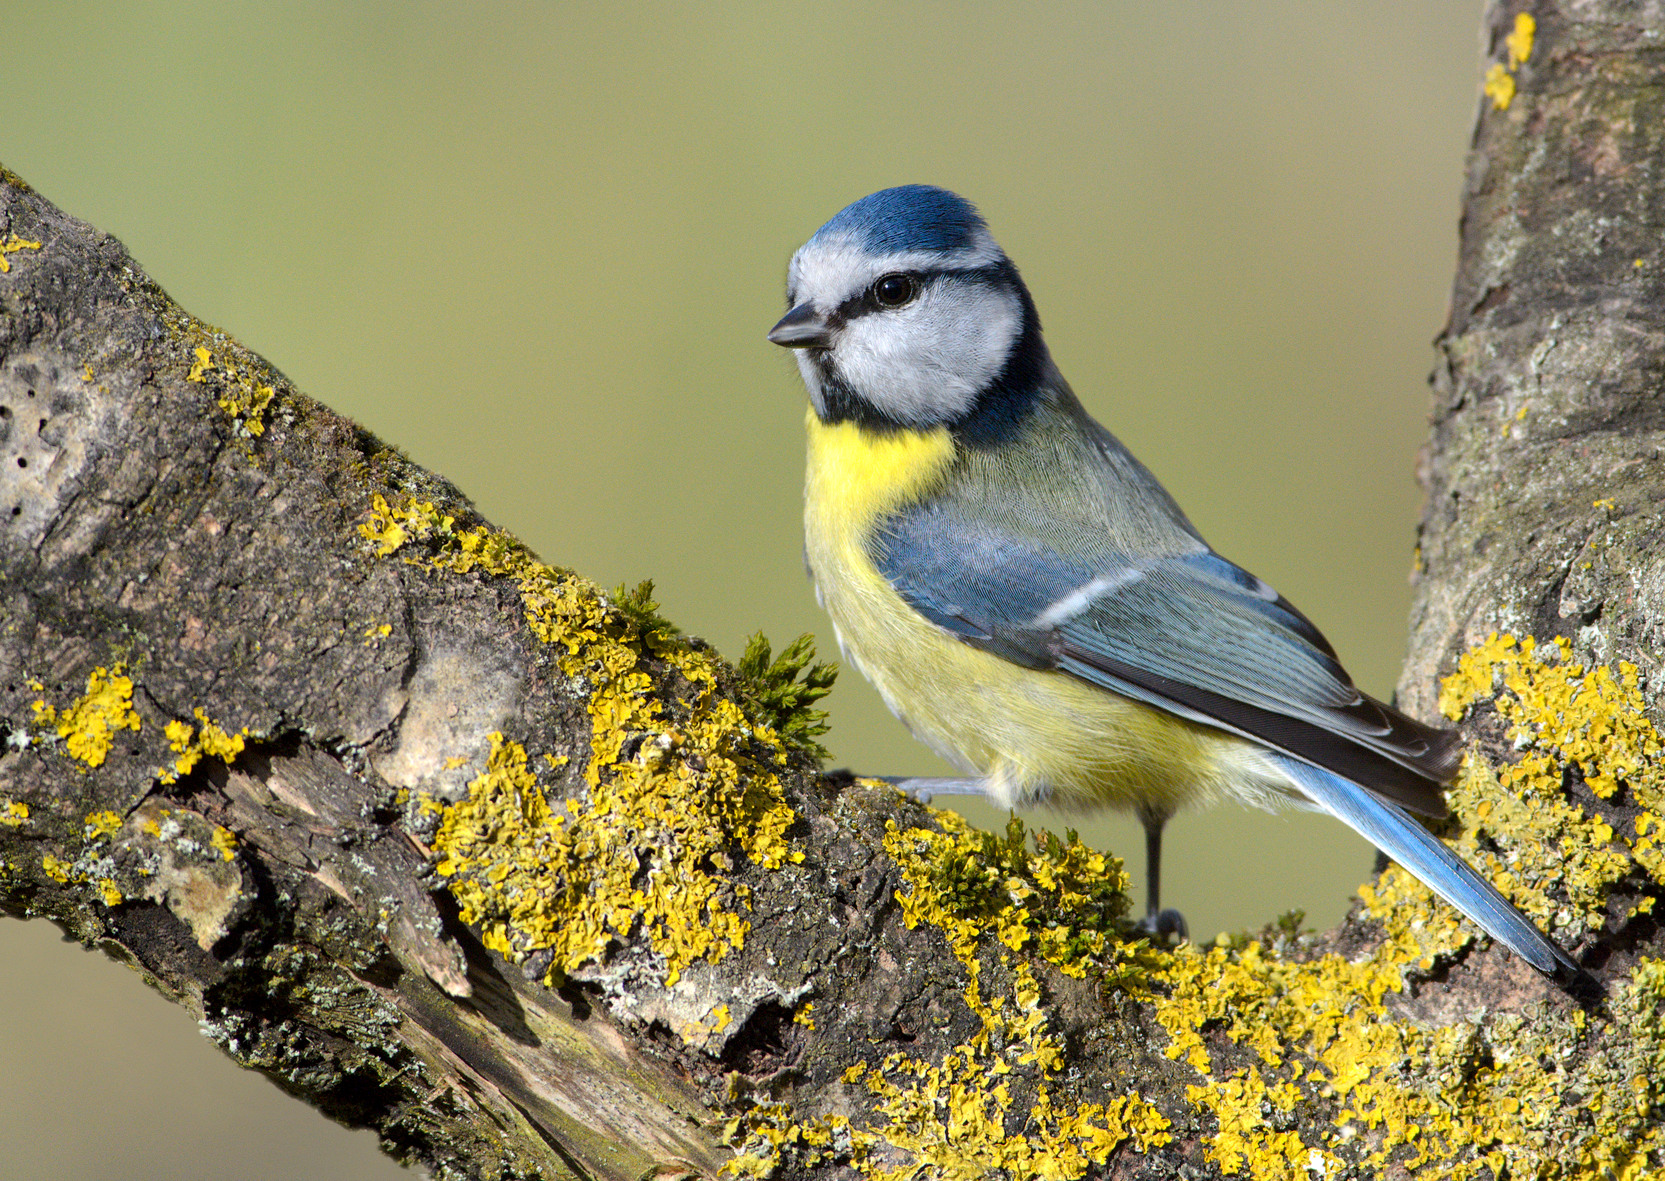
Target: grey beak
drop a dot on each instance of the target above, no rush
(802, 328)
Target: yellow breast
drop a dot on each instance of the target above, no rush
(1029, 732)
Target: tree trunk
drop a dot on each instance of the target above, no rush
(453, 845)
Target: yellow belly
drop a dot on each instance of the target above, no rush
(1029, 733)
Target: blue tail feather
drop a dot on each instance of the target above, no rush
(1402, 838)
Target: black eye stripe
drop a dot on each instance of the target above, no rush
(863, 304)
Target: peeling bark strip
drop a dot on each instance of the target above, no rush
(454, 846)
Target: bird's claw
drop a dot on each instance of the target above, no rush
(844, 777)
(1162, 924)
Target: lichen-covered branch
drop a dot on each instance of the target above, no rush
(454, 845)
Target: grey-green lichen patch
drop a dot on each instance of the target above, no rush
(173, 856)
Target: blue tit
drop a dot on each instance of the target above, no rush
(1033, 605)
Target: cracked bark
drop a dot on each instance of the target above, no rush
(144, 526)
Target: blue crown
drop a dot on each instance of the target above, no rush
(909, 217)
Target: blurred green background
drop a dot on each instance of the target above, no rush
(537, 247)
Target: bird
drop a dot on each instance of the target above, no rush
(1032, 603)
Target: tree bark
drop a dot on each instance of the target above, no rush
(453, 845)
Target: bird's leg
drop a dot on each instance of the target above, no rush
(1157, 922)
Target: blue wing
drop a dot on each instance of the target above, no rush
(1189, 632)
(1193, 634)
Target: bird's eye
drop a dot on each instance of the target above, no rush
(892, 291)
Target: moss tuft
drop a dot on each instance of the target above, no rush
(784, 690)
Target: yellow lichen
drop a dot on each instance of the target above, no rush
(225, 841)
(59, 871)
(1060, 899)
(1453, 1102)
(88, 726)
(218, 742)
(1330, 1010)
(1500, 77)
(572, 881)
(1248, 1141)
(767, 1129)
(384, 527)
(1055, 899)
(1519, 41)
(243, 397)
(639, 851)
(1499, 86)
(952, 1121)
(13, 813)
(1463, 1102)
(11, 244)
(1559, 714)
(191, 743)
(100, 824)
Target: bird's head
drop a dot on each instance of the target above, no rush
(905, 313)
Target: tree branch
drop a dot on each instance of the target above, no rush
(453, 845)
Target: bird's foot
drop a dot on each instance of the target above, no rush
(1162, 924)
(920, 788)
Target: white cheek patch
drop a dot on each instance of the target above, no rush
(919, 364)
(928, 361)
(812, 380)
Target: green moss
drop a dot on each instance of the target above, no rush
(784, 690)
